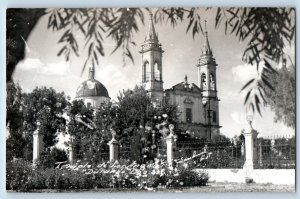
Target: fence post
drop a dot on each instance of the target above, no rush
(71, 155)
(260, 154)
(250, 147)
(251, 152)
(38, 144)
(170, 140)
(71, 152)
(113, 147)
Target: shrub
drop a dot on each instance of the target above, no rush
(18, 175)
(105, 175)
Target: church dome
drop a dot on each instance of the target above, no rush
(91, 88)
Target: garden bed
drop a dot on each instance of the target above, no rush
(210, 187)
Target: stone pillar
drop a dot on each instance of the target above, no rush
(250, 147)
(113, 147)
(38, 144)
(71, 152)
(71, 155)
(260, 155)
(171, 141)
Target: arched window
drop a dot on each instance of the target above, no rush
(203, 80)
(188, 114)
(214, 116)
(146, 71)
(212, 81)
(156, 71)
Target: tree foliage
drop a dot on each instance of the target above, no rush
(282, 99)
(50, 157)
(44, 106)
(85, 140)
(14, 122)
(25, 110)
(267, 31)
(19, 24)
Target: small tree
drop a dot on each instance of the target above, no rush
(14, 121)
(44, 105)
(86, 138)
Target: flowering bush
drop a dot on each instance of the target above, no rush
(105, 175)
(18, 174)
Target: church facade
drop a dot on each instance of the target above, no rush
(198, 104)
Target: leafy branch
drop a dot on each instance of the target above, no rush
(266, 30)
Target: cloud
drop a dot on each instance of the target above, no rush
(37, 66)
(243, 73)
(59, 69)
(30, 64)
(239, 118)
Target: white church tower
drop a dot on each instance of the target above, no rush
(207, 82)
(152, 64)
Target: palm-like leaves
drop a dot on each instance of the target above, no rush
(266, 30)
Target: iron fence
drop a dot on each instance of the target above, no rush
(161, 150)
(269, 153)
(125, 151)
(215, 154)
(276, 153)
(93, 157)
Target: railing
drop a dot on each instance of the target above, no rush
(276, 153)
(161, 150)
(125, 151)
(148, 76)
(221, 154)
(95, 158)
(268, 153)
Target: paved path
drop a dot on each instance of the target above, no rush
(238, 187)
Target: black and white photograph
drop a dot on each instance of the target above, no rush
(167, 99)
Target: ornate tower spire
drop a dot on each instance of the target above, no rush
(152, 35)
(206, 47)
(91, 72)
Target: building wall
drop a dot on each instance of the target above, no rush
(95, 101)
(195, 130)
(179, 98)
(213, 106)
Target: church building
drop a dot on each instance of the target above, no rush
(198, 104)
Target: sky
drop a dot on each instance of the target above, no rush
(42, 67)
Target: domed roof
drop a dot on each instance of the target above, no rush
(91, 88)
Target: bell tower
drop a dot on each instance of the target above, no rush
(152, 64)
(208, 83)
